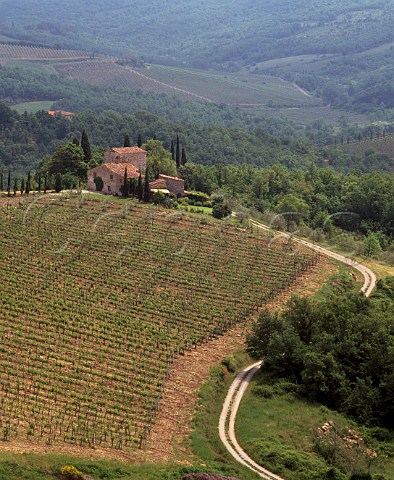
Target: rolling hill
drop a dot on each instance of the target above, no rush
(99, 297)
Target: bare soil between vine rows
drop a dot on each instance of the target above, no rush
(170, 433)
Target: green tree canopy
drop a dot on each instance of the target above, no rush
(68, 158)
(339, 351)
(159, 159)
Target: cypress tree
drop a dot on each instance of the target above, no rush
(172, 150)
(28, 184)
(58, 183)
(1, 183)
(177, 153)
(139, 140)
(125, 189)
(132, 187)
(139, 187)
(184, 158)
(9, 184)
(154, 137)
(85, 145)
(15, 186)
(22, 186)
(126, 142)
(146, 194)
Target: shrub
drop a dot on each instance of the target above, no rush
(360, 476)
(284, 386)
(229, 363)
(220, 211)
(71, 473)
(264, 391)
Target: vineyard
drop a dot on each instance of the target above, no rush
(97, 298)
(233, 89)
(383, 145)
(23, 52)
(238, 88)
(106, 73)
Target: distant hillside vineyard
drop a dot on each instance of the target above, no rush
(98, 298)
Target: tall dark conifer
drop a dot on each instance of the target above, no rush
(1, 183)
(146, 195)
(85, 145)
(28, 184)
(139, 188)
(139, 140)
(22, 186)
(132, 187)
(9, 184)
(58, 183)
(183, 157)
(172, 150)
(177, 153)
(126, 142)
(15, 186)
(125, 189)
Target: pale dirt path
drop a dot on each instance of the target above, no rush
(167, 85)
(241, 382)
(368, 274)
(227, 422)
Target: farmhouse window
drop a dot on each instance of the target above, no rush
(111, 177)
(109, 188)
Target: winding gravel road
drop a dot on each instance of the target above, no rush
(242, 380)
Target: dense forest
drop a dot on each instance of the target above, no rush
(25, 139)
(337, 352)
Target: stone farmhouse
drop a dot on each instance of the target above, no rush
(112, 169)
(116, 160)
(169, 185)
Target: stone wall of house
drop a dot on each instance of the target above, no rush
(112, 181)
(138, 159)
(175, 185)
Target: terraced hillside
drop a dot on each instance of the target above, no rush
(97, 298)
(24, 52)
(384, 145)
(234, 89)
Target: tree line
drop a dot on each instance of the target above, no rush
(337, 352)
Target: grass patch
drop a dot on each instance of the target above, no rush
(279, 431)
(32, 107)
(44, 467)
(193, 209)
(204, 437)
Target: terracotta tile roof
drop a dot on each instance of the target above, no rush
(158, 184)
(125, 150)
(62, 112)
(118, 169)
